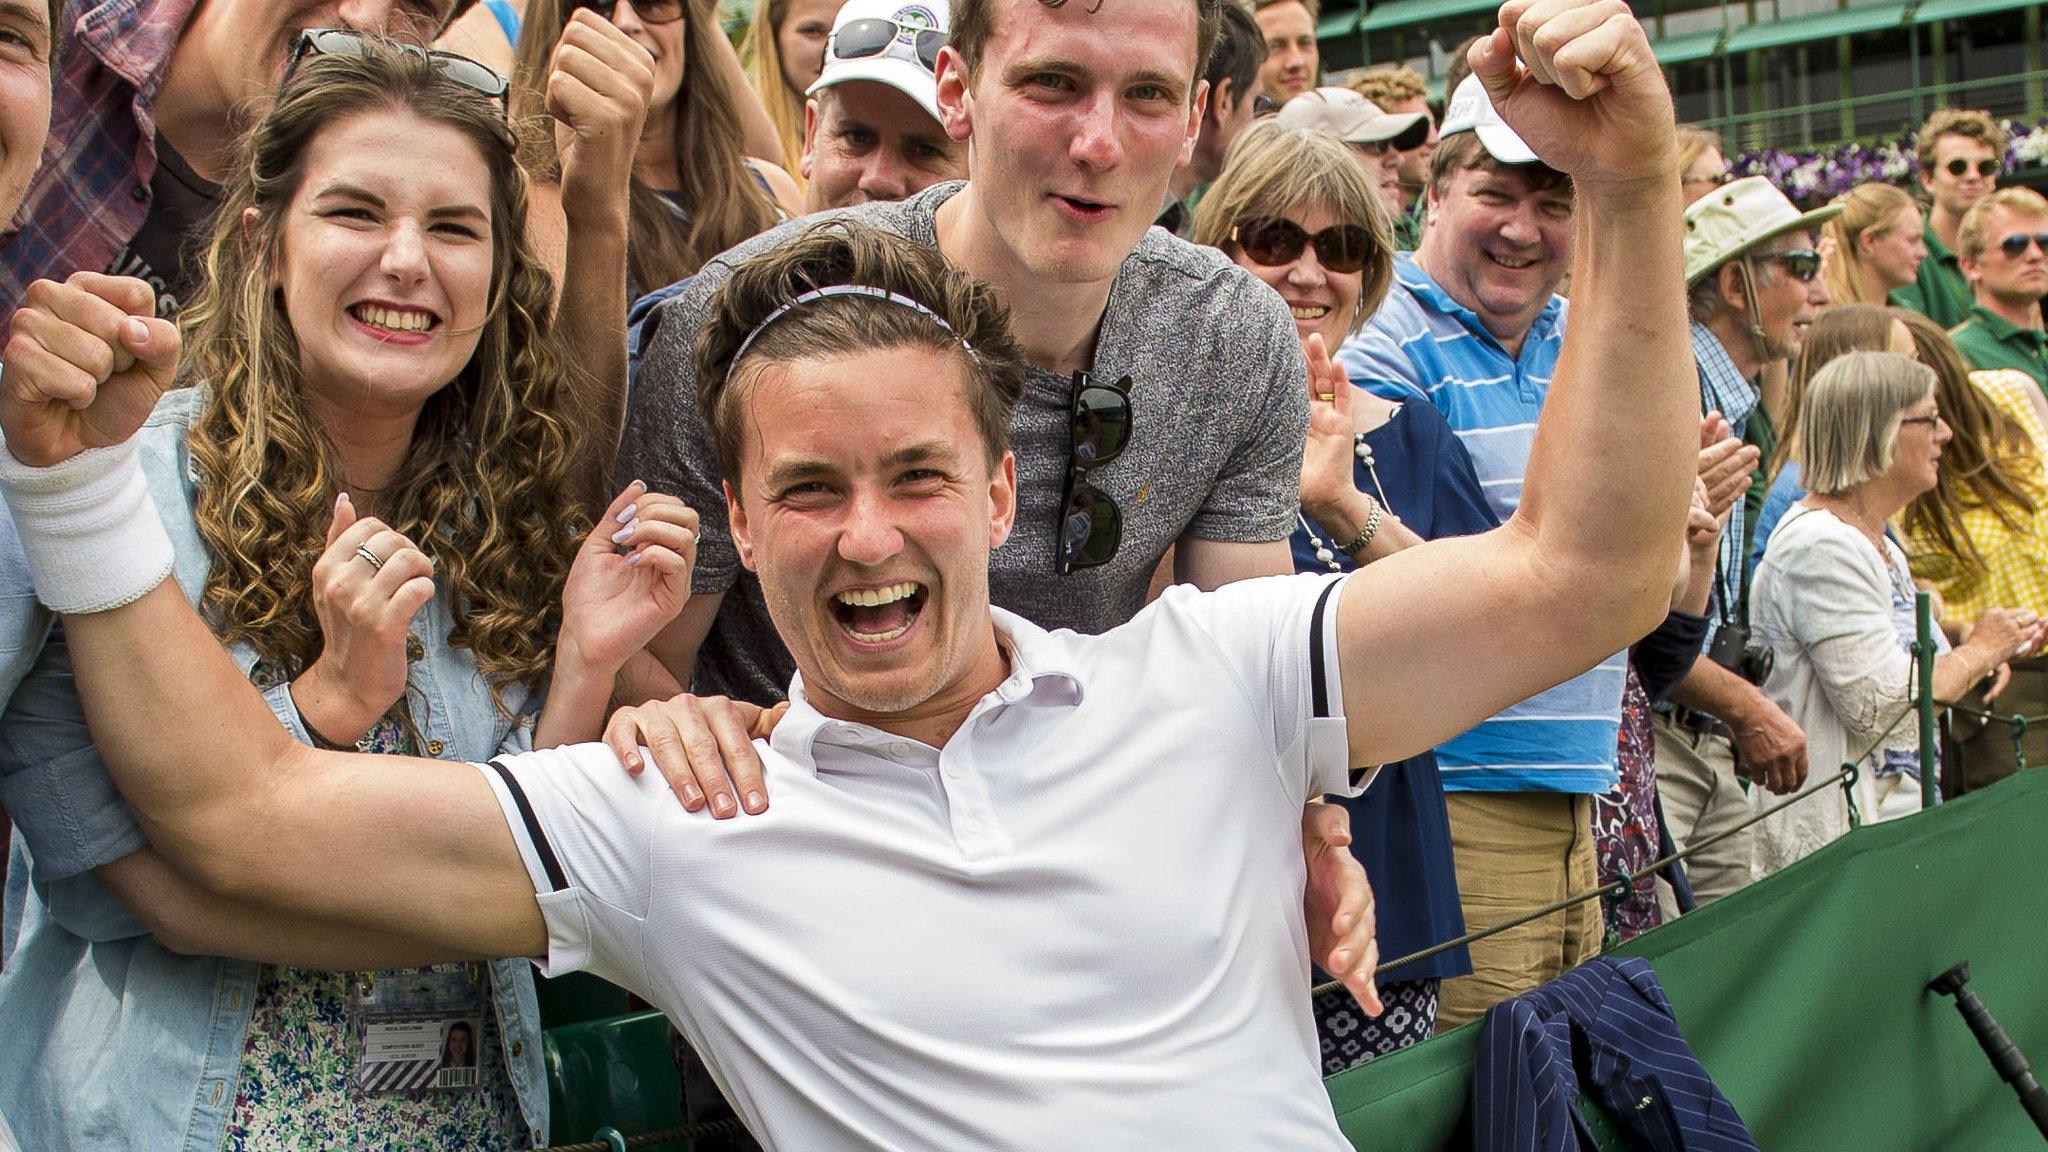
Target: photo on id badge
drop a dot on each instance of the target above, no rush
(419, 1031)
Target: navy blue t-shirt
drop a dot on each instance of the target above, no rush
(1400, 829)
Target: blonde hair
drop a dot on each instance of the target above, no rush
(1849, 418)
(1842, 329)
(1990, 463)
(484, 484)
(761, 59)
(1389, 86)
(1273, 169)
(1693, 142)
(722, 201)
(2020, 201)
(1867, 209)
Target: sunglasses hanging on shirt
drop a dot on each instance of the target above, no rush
(1091, 525)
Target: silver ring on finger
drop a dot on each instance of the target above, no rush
(375, 561)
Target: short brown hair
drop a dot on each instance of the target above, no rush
(1978, 126)
(834, 252)
(1389, 86)
(1462, 151)
(975, 20)
(1970, 239)
(1314, 7)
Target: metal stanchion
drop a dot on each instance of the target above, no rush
(1923, 656)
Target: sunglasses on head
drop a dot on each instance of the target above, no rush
(347, 42)
(872, 36)
(1961, 167)
(1273, 242)
(1091, 525)
(1802, 263)
(2015, 245)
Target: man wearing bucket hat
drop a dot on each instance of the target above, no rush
(871, 125)
(1754, 278)
(1473, 324)
(1378, 138)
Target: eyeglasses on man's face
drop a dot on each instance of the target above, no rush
(1959, 167)
(1802, 263)
(2015, 245)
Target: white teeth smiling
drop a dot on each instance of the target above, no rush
(393, 319)
(876, 597)
(1311, 313)
(1507, 262)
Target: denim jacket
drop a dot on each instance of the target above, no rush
(111, 1040)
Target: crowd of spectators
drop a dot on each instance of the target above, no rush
(448, 303)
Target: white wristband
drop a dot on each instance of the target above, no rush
(89, 528)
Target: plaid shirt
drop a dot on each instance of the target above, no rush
(1725, 390)
(93, 192)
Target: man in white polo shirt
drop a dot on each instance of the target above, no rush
(1018, 889)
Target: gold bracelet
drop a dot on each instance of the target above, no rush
(1371, 529)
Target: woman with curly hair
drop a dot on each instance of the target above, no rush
(367, 483)
(695, 192)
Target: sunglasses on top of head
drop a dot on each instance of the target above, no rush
(1275, 241)
(1961, 167)
(649, 11)
(348, 42)
(872, 36)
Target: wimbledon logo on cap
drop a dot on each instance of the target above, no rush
(912, 20)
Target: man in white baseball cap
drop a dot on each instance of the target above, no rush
(871, 126)
(1377, 137)
(1470, 111)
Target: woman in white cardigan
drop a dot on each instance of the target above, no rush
(1834, 599)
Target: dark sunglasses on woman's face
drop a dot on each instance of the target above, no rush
(649, 11)
(347, 42)
(1273, 242)
(2015, 245)
(872, 37)
(1960, 167)
(1802, 263)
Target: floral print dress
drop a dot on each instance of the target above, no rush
(297, 1089)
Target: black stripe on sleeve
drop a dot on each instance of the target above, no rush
(1318, 659)
(533, 832)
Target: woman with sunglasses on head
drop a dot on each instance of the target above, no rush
(783, 51)
(1834, 600)
(1294, 208)
(369, 489)
(1875, 246)
(695, 192)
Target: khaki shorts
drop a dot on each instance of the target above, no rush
(1516, 852)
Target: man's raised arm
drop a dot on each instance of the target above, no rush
(415, 848)
(1437, 638)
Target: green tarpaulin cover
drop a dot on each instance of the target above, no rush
(1803, 995)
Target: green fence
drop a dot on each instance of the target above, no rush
(1804, 994)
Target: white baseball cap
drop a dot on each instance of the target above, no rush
(1353, 119)
(902, 61)
(1470, 110)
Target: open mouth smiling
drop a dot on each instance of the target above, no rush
(879, 615)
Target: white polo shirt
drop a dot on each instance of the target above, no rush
(1077, 925)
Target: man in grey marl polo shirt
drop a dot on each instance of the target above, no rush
(1068, 164)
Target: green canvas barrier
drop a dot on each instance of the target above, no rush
(1804, 995)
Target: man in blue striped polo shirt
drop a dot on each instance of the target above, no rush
(1473, 324)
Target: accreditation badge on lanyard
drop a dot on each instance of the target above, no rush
(418, 1029)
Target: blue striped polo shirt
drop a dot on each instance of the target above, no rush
(1422, 344)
